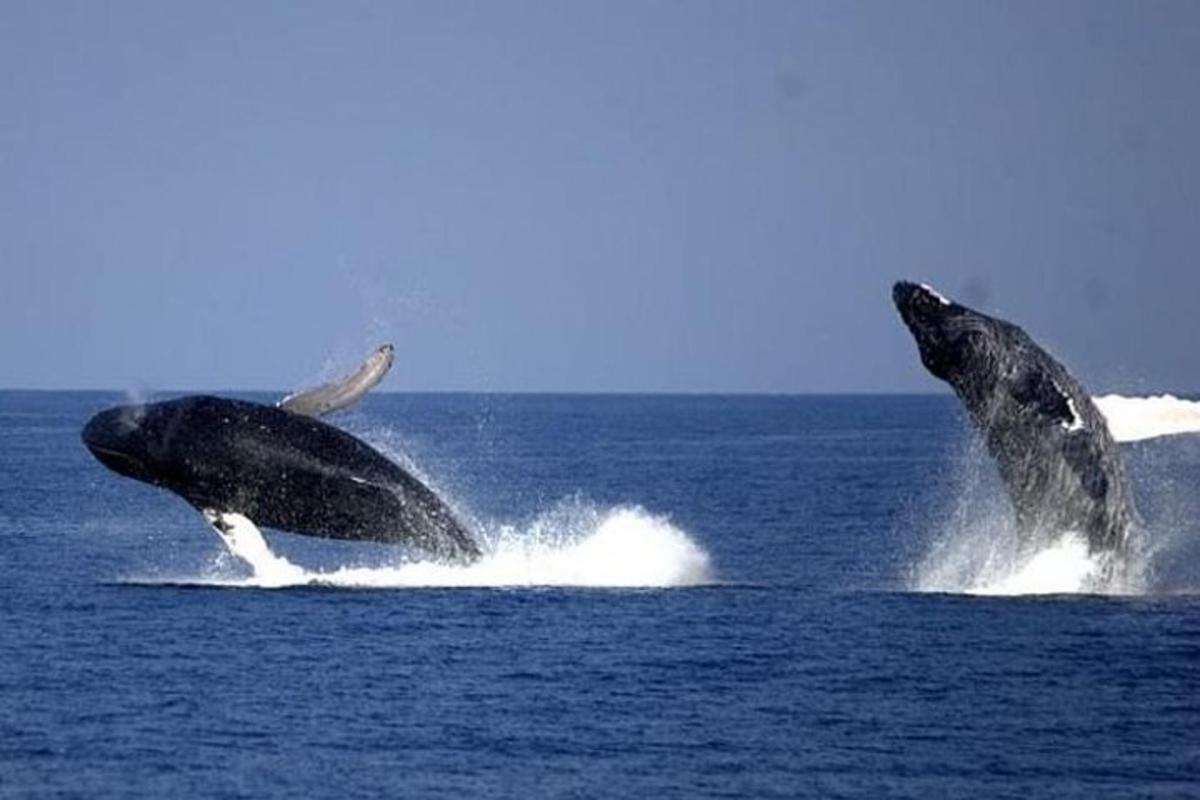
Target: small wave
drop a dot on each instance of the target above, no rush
(572, 545)
(1132, 419)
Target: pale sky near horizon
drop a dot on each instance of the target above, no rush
(606, 196)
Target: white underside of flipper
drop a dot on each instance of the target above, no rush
(245, 541)
(331, 397)
(1132, 419)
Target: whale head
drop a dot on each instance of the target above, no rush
(954, 341)
(133, 440)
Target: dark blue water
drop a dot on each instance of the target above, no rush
(803, 665)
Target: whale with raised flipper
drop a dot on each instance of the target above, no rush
(280, 467)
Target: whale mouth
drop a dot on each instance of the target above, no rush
(117, 460)
(111, 437)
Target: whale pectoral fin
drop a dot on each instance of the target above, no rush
(1132, 419)
(233, 528)
(330, 397)
(1037, 392)
(245, 541)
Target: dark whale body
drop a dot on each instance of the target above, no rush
(1053, 448)
(280, 469)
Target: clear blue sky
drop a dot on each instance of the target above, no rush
(648, 196)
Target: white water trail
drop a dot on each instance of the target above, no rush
(572, 545)
(1132, 419)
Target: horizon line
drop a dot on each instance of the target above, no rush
(547, 392)
(1185, 394)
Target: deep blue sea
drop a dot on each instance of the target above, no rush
(686, 596)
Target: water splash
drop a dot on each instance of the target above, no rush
(1064, 567)
(976, 547)
(983, 561)
(574, 544)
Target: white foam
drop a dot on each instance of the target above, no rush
(572, 545)
(1064, 567)
(977, 548)
(1131, 419)
(974, 563)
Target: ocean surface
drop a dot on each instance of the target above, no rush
(684, 596)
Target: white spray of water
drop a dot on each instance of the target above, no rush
(572, 545)
(1063, 567)
(1132, 419)
(985, 559)
(977, 548)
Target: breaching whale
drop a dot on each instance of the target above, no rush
(1057, 460)
(234, 460)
